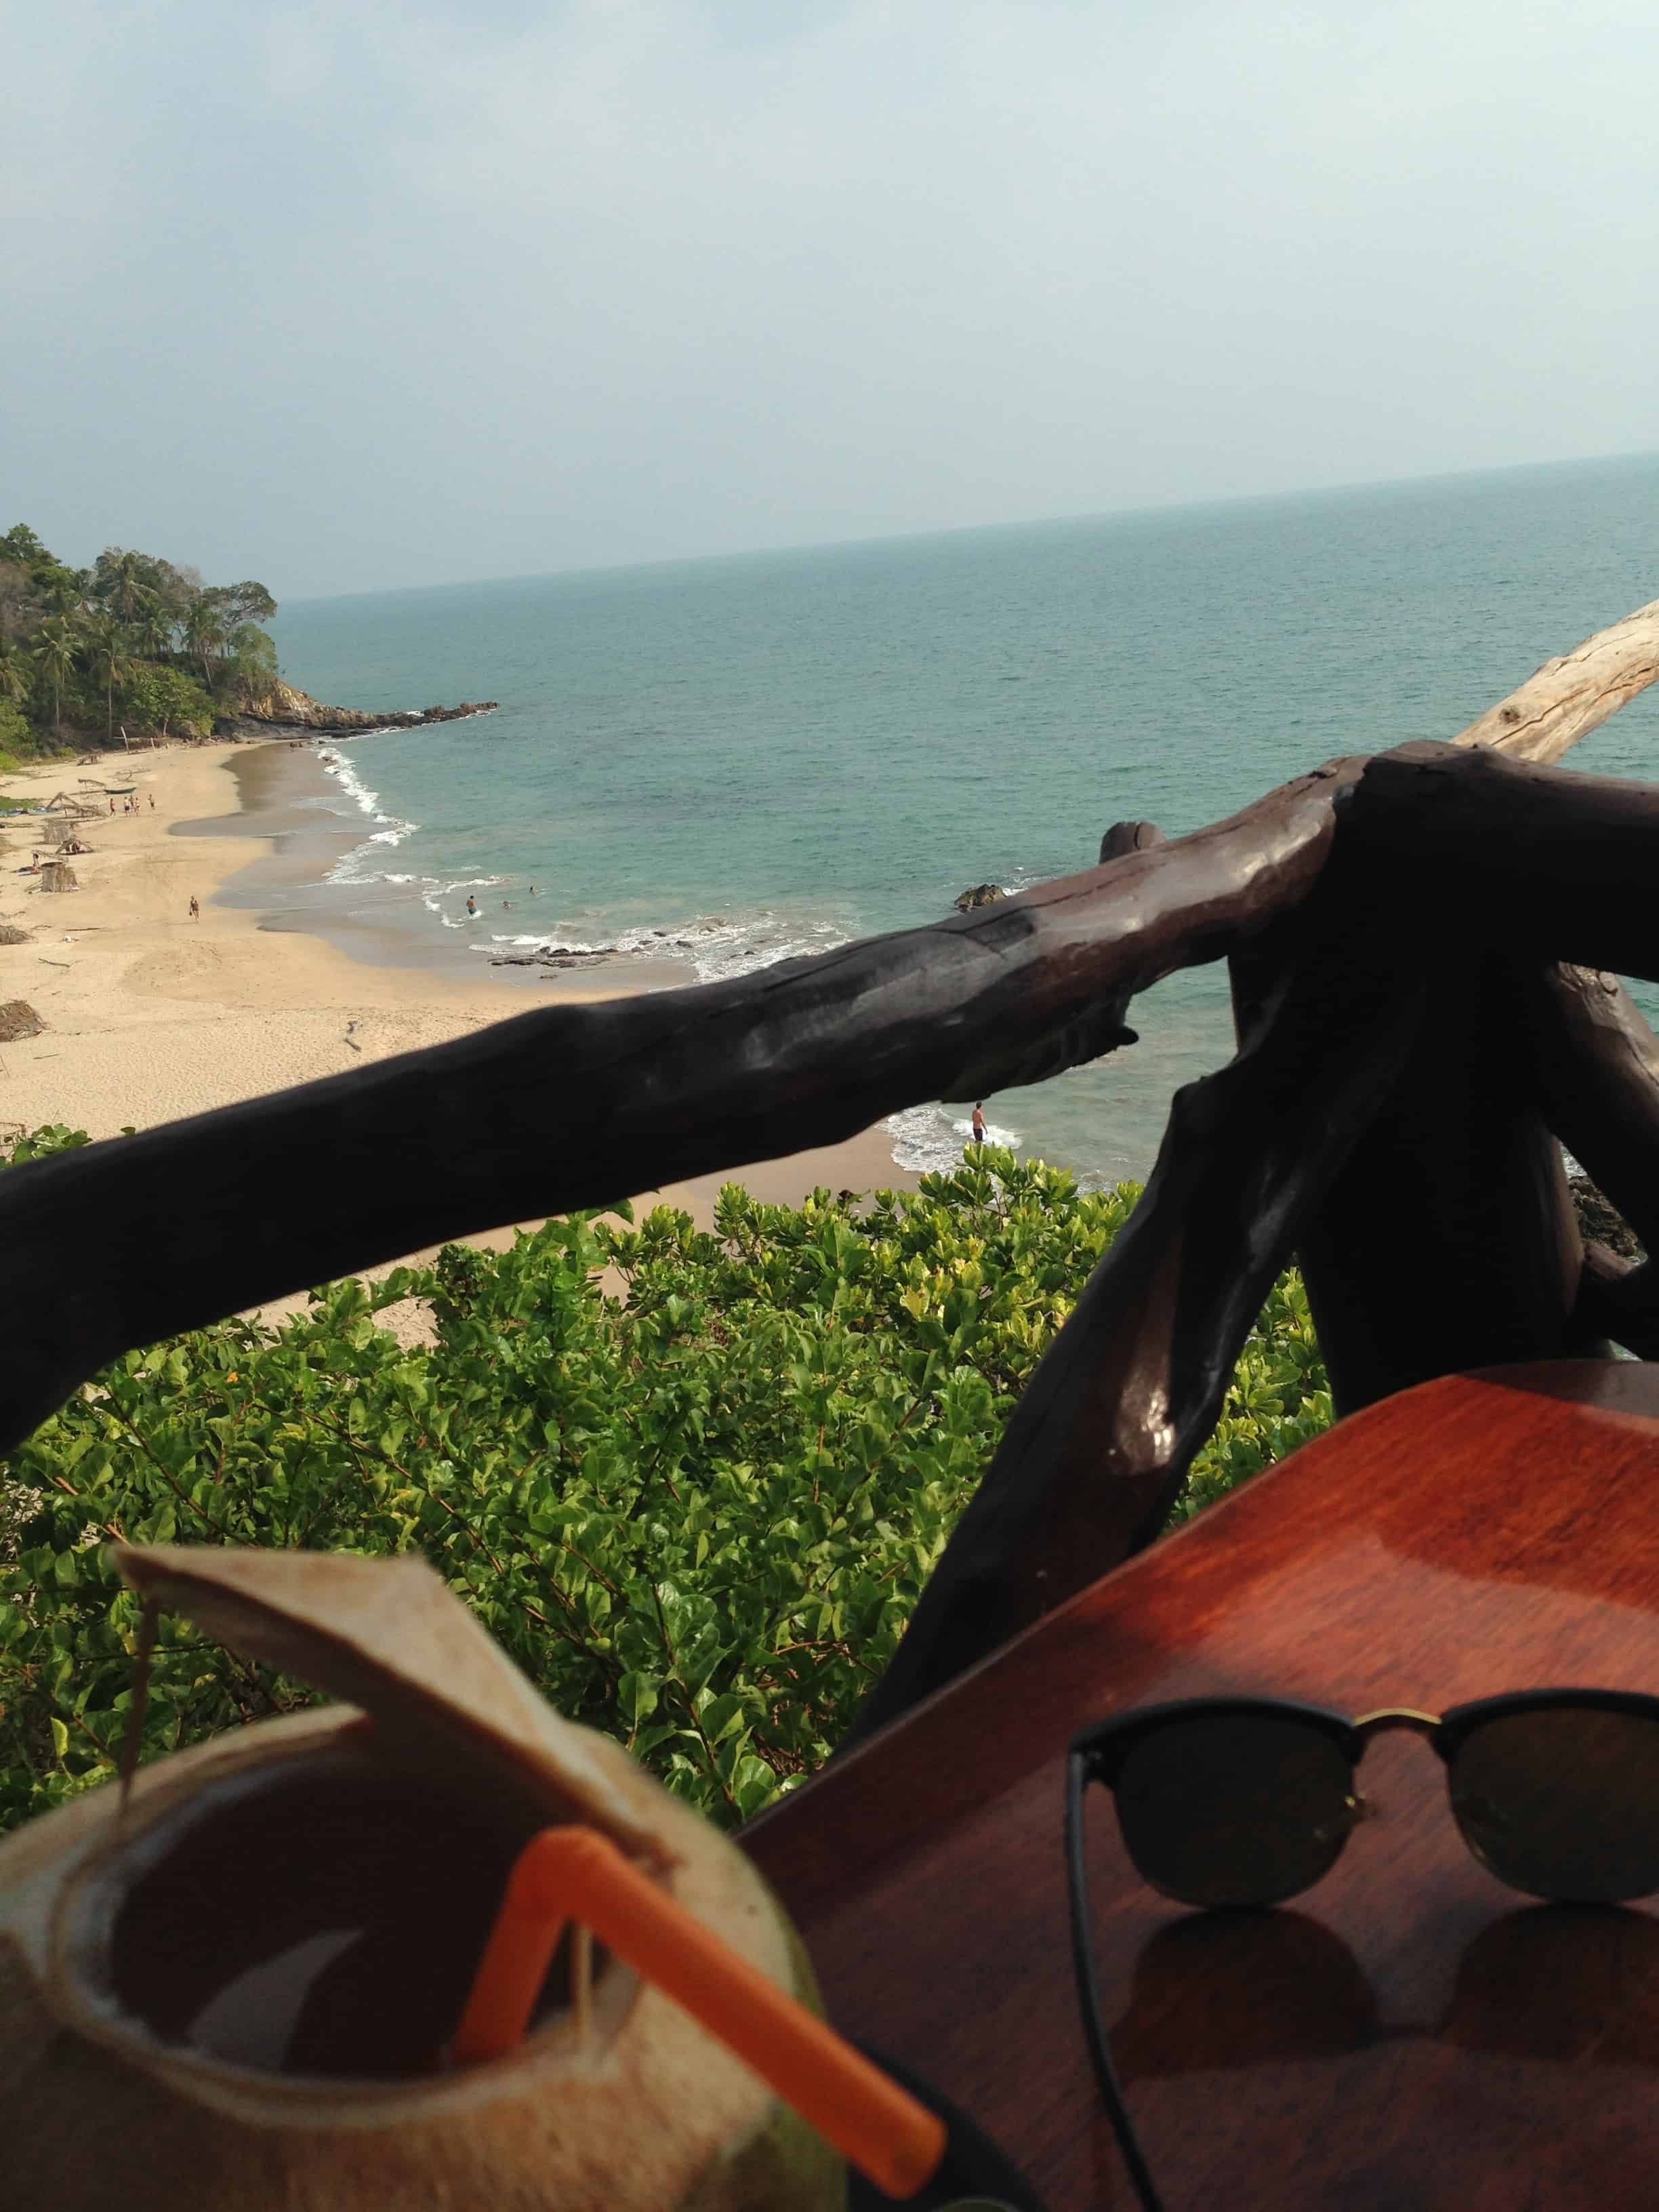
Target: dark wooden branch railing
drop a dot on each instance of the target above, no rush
(1098, 1449)
(1388, 922)
(578, 1106)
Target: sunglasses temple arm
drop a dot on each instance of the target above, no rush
(1088, 1991)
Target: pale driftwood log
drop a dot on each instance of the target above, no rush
(578, 1106)
(1569, 696)
(1102, 1440)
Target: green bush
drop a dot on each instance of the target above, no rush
(698, 1519)
(166, 699)
(17, 737)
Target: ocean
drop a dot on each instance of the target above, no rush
(724, 763)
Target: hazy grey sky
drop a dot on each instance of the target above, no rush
(349, 295)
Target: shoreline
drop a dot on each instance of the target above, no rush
(149, 1015)
(286, 796)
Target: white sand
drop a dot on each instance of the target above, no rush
(150, 1016)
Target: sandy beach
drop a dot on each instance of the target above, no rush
(149, 1015)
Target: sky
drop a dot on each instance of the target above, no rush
(351, 296)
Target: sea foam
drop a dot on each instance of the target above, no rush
(391, 830)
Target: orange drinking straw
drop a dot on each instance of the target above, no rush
(576, 1873)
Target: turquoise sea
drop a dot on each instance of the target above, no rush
(734, 761)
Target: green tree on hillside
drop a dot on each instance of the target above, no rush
(108, 658)
(122, 581)
(204, 632)
(55, 650)
(64, 590)
(131, 619)
(20, 545)
(167, 699)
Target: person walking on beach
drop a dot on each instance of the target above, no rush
(979, 1125)
(195, 910)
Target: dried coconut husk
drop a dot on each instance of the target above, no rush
(123, 2082)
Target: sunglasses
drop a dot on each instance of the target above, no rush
(1243, 1802)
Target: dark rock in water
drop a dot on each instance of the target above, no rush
(562, 956)
(1599, 1219)
(288, 713)
(981, 895)
(18, 1019)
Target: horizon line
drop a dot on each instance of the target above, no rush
(967, 529)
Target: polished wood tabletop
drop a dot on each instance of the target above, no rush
(1409, 2033)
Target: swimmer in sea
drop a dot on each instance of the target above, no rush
(471, 905)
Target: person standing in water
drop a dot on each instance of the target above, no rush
(472, 905)
(979, 1124)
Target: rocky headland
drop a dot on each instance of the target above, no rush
(286, 713)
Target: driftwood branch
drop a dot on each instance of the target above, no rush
(1100, 1444)
(1596, 1067)
(1569, 696)
(1448, 1241)
(578, 1106)
(1550, 864)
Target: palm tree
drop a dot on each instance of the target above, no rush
(153, 632)
(55, 649)
(65, 590)
(126, 587)
(14, 677)
(204, 631)
(107, 642)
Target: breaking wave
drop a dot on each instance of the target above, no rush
(932, 1139)
(713, 946)
(390, 830)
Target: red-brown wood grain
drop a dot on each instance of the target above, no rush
(1409, 2033)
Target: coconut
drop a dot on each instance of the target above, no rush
(234, 1994)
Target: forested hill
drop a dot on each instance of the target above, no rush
(132, 642)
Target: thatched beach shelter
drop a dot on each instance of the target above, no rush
(18, 1019)
(58, 876)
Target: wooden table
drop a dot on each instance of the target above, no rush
(1409, 2033)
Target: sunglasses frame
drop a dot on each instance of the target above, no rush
(1097, 1753)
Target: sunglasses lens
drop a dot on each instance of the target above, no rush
(1564, 1802)
(1234, 1809)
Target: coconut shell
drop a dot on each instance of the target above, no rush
(230, 1853)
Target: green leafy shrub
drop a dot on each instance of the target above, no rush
(167, 699)
(697, 1514)
(16, 738)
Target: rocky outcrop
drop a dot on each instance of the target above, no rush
(290, 714)
(981, 895)
(1600, 1221)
